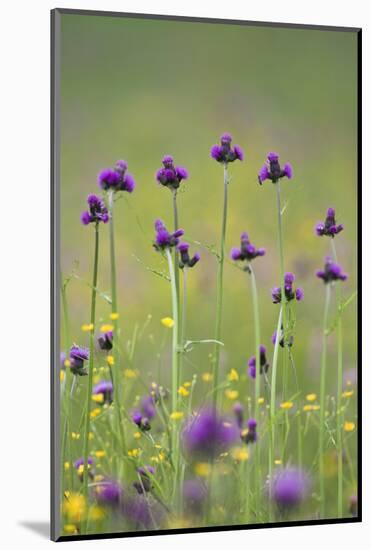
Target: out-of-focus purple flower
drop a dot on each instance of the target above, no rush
(290, 292)
(78, 355)
(79, 467)
(163, 238)
(105, 388)
(141, 513)
(141, 421)
(272, 170)
(288, 487)
(116, 179)
(247, 251)
(225, 152)
(171, 176)
(353, 505)
(108, 493)
(264, 365)
(105, 340)
(148, 406)
(329, 226)
(97, 211)
(290, 341)
(141, 417)
(194, 495)
(331, 272)
(144, 485)
(248, 434)
(207, 435)
(238, 412)
(185, 259)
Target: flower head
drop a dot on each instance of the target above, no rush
(290, 292)
(163, 238)
(78, 355)
(264, 365)
(331, 272)
(185, 259)
(105, 340)
(238, 412)
(80, 467)
(288, 487)
(105, 389)
(207, 435)
(290, 340)
(144, 485)
(273, 171)
(247, 251)
(194, 495)
(97, 211)
(116, 179)
(225, 152)
(108, 493)
(171, 176)
(248, 434)
(329, 226)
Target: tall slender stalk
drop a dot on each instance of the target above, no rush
(67, 389)
(114, 305)
(90, 373)
(219, 296)
(323, 402)
(174, 371)
(339, 432)
(176, 276)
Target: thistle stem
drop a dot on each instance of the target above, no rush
(114, 306)
(219, 297)
(272, 409)
(339, 433)
(176, 273)
(175, 369)
(90, 373)
(323, 403)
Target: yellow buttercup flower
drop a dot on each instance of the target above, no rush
(261, 401)
(183, 391)
(202, 469)
(70, 529)
(62, 375)
(106, 328)
(100, 454)
(95, 412)
(66, 466)
(96, 513)
(286, 405)
(231, 394)
(98, 397)
(130, 373)
(134, 453)
(311, 397)
(75, 508)
(87, 327)
(110, 360)
(67, 363)
(187, 384)
(233, 375)
(348, 393)
(114, 316)
(137, 435)
(75, 435)
(176, 415)
(168, 322)
(278, 462)
(207, 377)
(240, 454)
(349, 426)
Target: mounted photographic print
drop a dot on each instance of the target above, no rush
(205, 213)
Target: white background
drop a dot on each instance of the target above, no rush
(24, 286)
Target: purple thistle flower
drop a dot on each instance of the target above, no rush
(264, 365)
(248, 434)
(290, 292)
(105, 388)
(329, 227)
(148, 406)
(171, 176)
(105, 340)
(207, 435)
(97, 211)
(116, 179)
(281, 342)
(79, 467)
(163, 238)
(78, 355)
(247, 251)
(331, 272)
(273, 171)
(145, 483)
(225, 152)
(288, 487)
(141, 513)
(238, 412)
(108, 493)
(194, 495)
(185, 259)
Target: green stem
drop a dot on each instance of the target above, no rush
(67, 388)
(90, 374)
(272, 408)
(184, 318)
(219, 296)
(175, 370)
(323, 403)
(176, 273)
(339, 431)
(116, 355)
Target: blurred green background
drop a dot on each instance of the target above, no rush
(138, 89)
